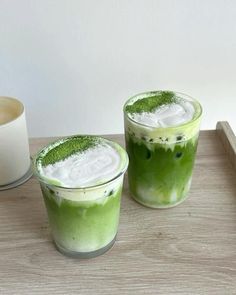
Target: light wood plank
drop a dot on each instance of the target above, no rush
(189, 249)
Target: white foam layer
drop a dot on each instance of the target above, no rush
(167, 115)
(91, 167)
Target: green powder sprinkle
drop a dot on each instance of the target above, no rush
(68, 148)
(149, 104)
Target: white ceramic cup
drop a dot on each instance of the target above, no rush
(14, 145)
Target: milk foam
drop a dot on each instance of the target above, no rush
(91, 167)
(167, 115)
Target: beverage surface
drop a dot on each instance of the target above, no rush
(6, 116)
(10, 109)
(161, 109)
(81, 161)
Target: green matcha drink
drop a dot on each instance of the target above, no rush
(81, 179)
(161, 132)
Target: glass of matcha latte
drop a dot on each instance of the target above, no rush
(81, 178)
(161, 132)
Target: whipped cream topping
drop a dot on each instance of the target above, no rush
(168, 115)
(91, 167)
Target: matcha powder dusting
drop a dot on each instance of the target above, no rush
(67, 148)
(149, 104)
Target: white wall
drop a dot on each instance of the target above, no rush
(74, 63)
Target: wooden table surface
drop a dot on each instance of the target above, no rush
(189, 249)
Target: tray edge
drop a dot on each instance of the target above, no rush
(228, 140)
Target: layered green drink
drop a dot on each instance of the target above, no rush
(161, 132)
(81, 178)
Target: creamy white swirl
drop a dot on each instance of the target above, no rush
(167, 115)
(91, 167)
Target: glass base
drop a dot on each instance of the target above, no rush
(82, 255)
(160, 206)
(19, 181)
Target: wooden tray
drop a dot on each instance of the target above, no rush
(189, 249)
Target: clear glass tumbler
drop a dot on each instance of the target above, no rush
(84, 221)
(161, 159)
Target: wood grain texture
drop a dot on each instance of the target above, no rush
(227, 137)
(189, 249)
